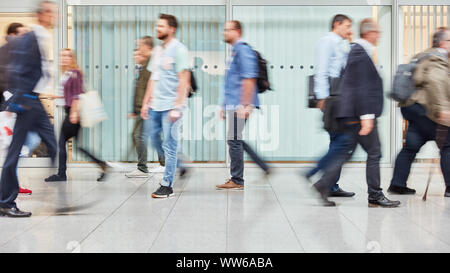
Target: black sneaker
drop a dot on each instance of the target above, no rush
(400, 190)
(383, 202)
(56, 178)
(163, 192)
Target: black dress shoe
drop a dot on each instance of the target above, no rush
(383, 202)
(400, 190)
(324, 198)
(341, 193)
(14, 212)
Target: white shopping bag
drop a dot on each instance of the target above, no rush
(7, 121)
(92, 110)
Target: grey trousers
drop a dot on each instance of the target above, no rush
(370, 144)
(237, 146)
(139, 141)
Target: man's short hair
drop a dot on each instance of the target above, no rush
(171, 20)
(339, 18)
(439, 36)
(40, 7)
(367, 25)
(148, 41)
(12, 28)
(237, 25)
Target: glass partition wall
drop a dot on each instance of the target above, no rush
(103, 35)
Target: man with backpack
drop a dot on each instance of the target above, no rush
(241, 96)
(425, 110)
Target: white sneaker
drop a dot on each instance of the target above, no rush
(159, 169)
(136, 174)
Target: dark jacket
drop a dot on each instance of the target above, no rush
(140, 88)
(4, 60)
(361, 88)
(25, 67)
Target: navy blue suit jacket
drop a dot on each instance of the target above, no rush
(25, 66)
(361, 88)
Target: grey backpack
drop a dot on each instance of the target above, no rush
(403, 86)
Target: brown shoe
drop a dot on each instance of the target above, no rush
(230, 185)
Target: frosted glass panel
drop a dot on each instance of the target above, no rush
(285, 129)
(104, 39)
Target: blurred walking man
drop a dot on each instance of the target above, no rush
(360, 104)
(28, 75)
(166, 97)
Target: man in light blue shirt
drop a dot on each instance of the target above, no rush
(331, 58)
(241, 96)
(166, 97)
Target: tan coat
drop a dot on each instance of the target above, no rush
(432, 80)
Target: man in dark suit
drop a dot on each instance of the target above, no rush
(14, 30)
(27, 76)
(360, 104)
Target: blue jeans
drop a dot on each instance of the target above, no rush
(338, 143)
(33, 140)
(159, 123)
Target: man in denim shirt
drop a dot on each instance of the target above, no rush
(331, 59)
(241, 96)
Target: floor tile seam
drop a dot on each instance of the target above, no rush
(114, 211)
(286, 216)
(167, 217)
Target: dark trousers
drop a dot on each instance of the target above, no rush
(371, 144)
(338, 142)
(139, 141)
(35, 119)
(443, 141)
(69, 130)
(421, 129)
(237, 146)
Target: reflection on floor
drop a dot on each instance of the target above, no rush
(277, 214)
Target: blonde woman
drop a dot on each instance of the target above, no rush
(71, 86)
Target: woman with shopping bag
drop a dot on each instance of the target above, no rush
(71, 87)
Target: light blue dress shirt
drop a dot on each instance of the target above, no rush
(331, 58)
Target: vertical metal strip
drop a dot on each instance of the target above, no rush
(414, 31)
(229, 16)
(428, 26)
(442, 16)
(421, 29)
(410, 34)
(434, 18)
(396, 120)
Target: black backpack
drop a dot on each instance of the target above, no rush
(262, 82)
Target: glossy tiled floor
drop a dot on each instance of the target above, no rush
(274, 215)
